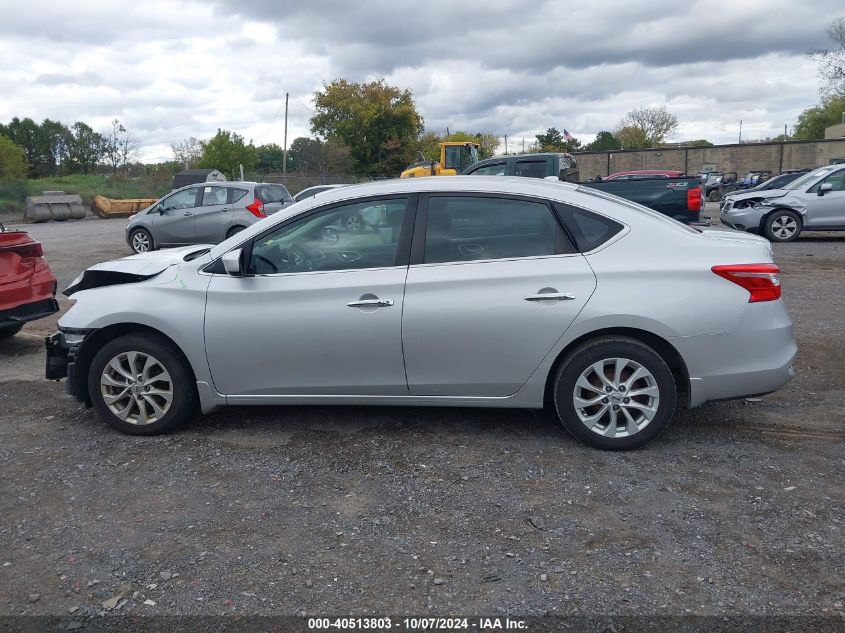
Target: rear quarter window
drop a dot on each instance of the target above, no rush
(588, 230)
(236, 193)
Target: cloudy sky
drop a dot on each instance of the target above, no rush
(169, 69)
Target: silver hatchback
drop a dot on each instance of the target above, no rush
(204, 213)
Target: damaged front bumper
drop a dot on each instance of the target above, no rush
(62, 352)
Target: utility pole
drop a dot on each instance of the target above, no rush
(740, 131)
(506, 143)
(785, 135)
(523, 144)
(285, 159)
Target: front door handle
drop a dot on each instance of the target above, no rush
(226, 209)
(551, 296)
(187, 213)
(371, 303)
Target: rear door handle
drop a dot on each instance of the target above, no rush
(187, 213)
(226, 209)
(371, 303)
(551, 296)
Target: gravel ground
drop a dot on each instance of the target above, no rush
(739, 508)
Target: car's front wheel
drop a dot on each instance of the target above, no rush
(141, 385)
(614, 393)
(782, 226)
(141, 241)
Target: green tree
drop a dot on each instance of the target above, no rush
(605, 141)
(378, 123)
(701, 142)
(86, 148)
(12, 160)
(315, 157)
(187, 152)
(554, 141)
(227, 151)
(812, 121)
(488, 144)
(646, 127)
(271, 157)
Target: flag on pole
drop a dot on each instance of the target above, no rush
(567, 136)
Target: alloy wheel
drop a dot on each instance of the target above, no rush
(136, 388)
(616, 397)
(784, 227)
(140, 242)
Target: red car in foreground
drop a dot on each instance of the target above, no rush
(27, 285)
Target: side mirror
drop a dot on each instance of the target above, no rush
(232, 262)
(825, 188)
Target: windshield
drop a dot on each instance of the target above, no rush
(806, 179)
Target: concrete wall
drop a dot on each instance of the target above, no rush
(742, 158)
(835, 131)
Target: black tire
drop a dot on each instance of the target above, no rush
(234, 231)
(184, 391)
(592, 352)
(10, 330)
(714, 196)
(144, 233)
(776, 226)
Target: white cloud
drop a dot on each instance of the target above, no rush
(170, 70)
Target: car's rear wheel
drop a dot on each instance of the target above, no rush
(141, 385)
(614, 393)
(714, 196)
(234, 231)
(10, 330)
(782, 226)
(141, 241)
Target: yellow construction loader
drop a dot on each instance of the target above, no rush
(455, 157)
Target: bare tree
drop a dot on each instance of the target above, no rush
(187, 152)
(832, 61)
(129, 148)
(120, 146)
(646, 127)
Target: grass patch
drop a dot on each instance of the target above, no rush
(13, 196)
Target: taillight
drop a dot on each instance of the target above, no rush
(32, 249)
(256, 208)
(762, 281)
(694, 199)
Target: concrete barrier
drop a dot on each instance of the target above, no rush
(54, 205)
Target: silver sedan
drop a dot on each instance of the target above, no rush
(462, 291)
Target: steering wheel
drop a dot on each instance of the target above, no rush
(299, 258)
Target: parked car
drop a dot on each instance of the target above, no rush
(812, 202)
(489, 292)
(679, 198)
(27, 285)
(203, 214)
(313, 191)
(716, 184)
(640, 174)
(747, 197)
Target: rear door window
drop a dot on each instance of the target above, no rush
(212, 196)
(468, 228)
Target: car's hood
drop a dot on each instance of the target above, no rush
(133, 268)
(762, 195)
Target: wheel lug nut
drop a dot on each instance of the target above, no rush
(604, 400)
(608, 389)
(616, 407)
(622, 388)
(626, 400)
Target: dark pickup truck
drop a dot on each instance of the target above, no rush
(679, 198)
